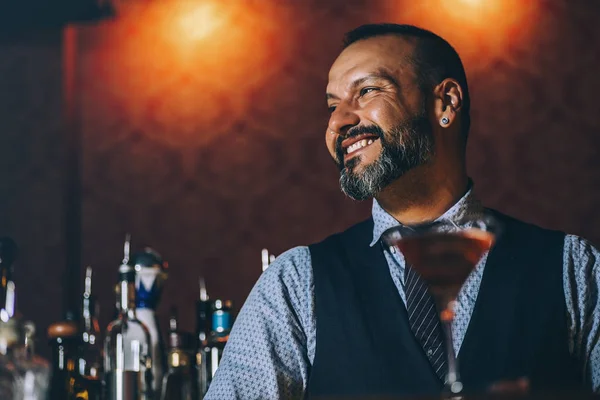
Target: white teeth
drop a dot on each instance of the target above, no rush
(359, 145)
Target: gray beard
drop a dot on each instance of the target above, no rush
(404, 148)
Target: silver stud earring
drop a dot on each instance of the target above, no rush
(445, 121)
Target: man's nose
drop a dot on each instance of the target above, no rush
(342, 119)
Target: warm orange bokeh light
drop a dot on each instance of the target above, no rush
(173, 26)
(471, 2)
(475, 27)
(182, 62)
(199, 21)
(193, 33)
(485, 15)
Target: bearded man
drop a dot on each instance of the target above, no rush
(336, 318)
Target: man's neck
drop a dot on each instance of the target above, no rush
(411, 202)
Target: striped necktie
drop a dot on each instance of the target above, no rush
(424, 320)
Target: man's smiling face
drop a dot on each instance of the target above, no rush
(379, 128)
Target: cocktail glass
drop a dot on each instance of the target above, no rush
(444, 253)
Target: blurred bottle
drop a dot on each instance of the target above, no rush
(10, 329)
(221, 326)
(179, 382)
(23, 374)
(127, 362)
(267, 259)
(64, 340)
(8, 256)
(89, 362)
(150, 275)
(33, 370)
(203, 324)
(9, 339)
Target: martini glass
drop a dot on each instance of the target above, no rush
(444, 253)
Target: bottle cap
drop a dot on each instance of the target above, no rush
(150, 270)
(29, 329)
(126, 271)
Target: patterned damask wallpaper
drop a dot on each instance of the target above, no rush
(212, 150)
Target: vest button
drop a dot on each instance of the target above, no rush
(429, 352)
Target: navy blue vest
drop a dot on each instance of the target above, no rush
(518, 327)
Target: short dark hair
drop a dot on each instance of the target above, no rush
(434, 59)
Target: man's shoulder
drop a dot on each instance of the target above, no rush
(513, 225)
(298, 258)
(575, 247)
(294, 255)
(297, 261)
(290, 267)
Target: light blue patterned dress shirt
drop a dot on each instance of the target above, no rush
(272, 343)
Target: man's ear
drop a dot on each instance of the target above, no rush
(448, 101)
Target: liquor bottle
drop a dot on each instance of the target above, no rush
(64, 339)
(23, 374)
(89, 363)
(10, 335)
(179, 382)
(203, 320)
(150, 275)
(8, 255)
(266, 258)
(10, 332)
(221, 326)
(127, 360)
(8, 376)
(33, 370)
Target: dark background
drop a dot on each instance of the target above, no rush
(213, 151)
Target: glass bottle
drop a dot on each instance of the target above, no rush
(267, 259)
(9, 338)
(221, 326)
(32, 370)
(128, 364)
(63, 337)
(150, 275)
(23, 374)
(10, 333)
(178, 383)
(8, 255)
(203, 320)
(89, 362)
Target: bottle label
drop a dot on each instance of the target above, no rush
(221, 321)
(148, 287)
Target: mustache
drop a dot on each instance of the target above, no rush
(354, 132)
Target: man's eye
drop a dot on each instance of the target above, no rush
(331, 109)
(367, 90)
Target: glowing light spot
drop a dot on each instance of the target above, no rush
(477, 28)
(470, 2)
(200, 21)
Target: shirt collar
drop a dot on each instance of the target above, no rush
(467, 206)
